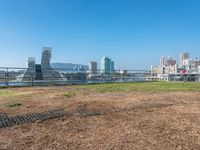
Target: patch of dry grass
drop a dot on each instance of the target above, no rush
(122, 119)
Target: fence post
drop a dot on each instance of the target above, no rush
(7, 78)
(186, 78)
(31, 79)
(114, 76)
(199, 78)
(52, 74)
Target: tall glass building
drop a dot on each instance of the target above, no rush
(112, 67)
(106, 66)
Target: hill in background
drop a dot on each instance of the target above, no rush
(68, 66)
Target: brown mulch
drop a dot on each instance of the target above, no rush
(118, 120)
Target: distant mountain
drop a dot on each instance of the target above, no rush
(68, 66)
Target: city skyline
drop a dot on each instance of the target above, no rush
(133, 33)
(170, 69)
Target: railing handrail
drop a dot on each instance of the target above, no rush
(142, 70)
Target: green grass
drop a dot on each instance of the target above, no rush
(144, 87)
(6, 93)
(69, 94)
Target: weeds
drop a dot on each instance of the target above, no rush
(14, 104)
(69, 94)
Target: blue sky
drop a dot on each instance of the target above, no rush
(134, 33)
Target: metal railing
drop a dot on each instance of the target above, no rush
(13, 76)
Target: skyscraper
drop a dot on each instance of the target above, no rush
(112, 66)
(107, 65)
(182, 58)
(93, 67)
(46, 58)
(162, 61)
(47, 71)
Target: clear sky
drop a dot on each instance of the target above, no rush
(134, 33)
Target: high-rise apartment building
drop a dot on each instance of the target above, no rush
(196, 63)
(170, 61)
(162, 61)
(112, 67)
(182, 58)
(107, 66)
(93, 67)
(192, 64)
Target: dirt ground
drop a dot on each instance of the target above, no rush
(114, 120)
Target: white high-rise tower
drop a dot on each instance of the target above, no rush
(183, 57)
